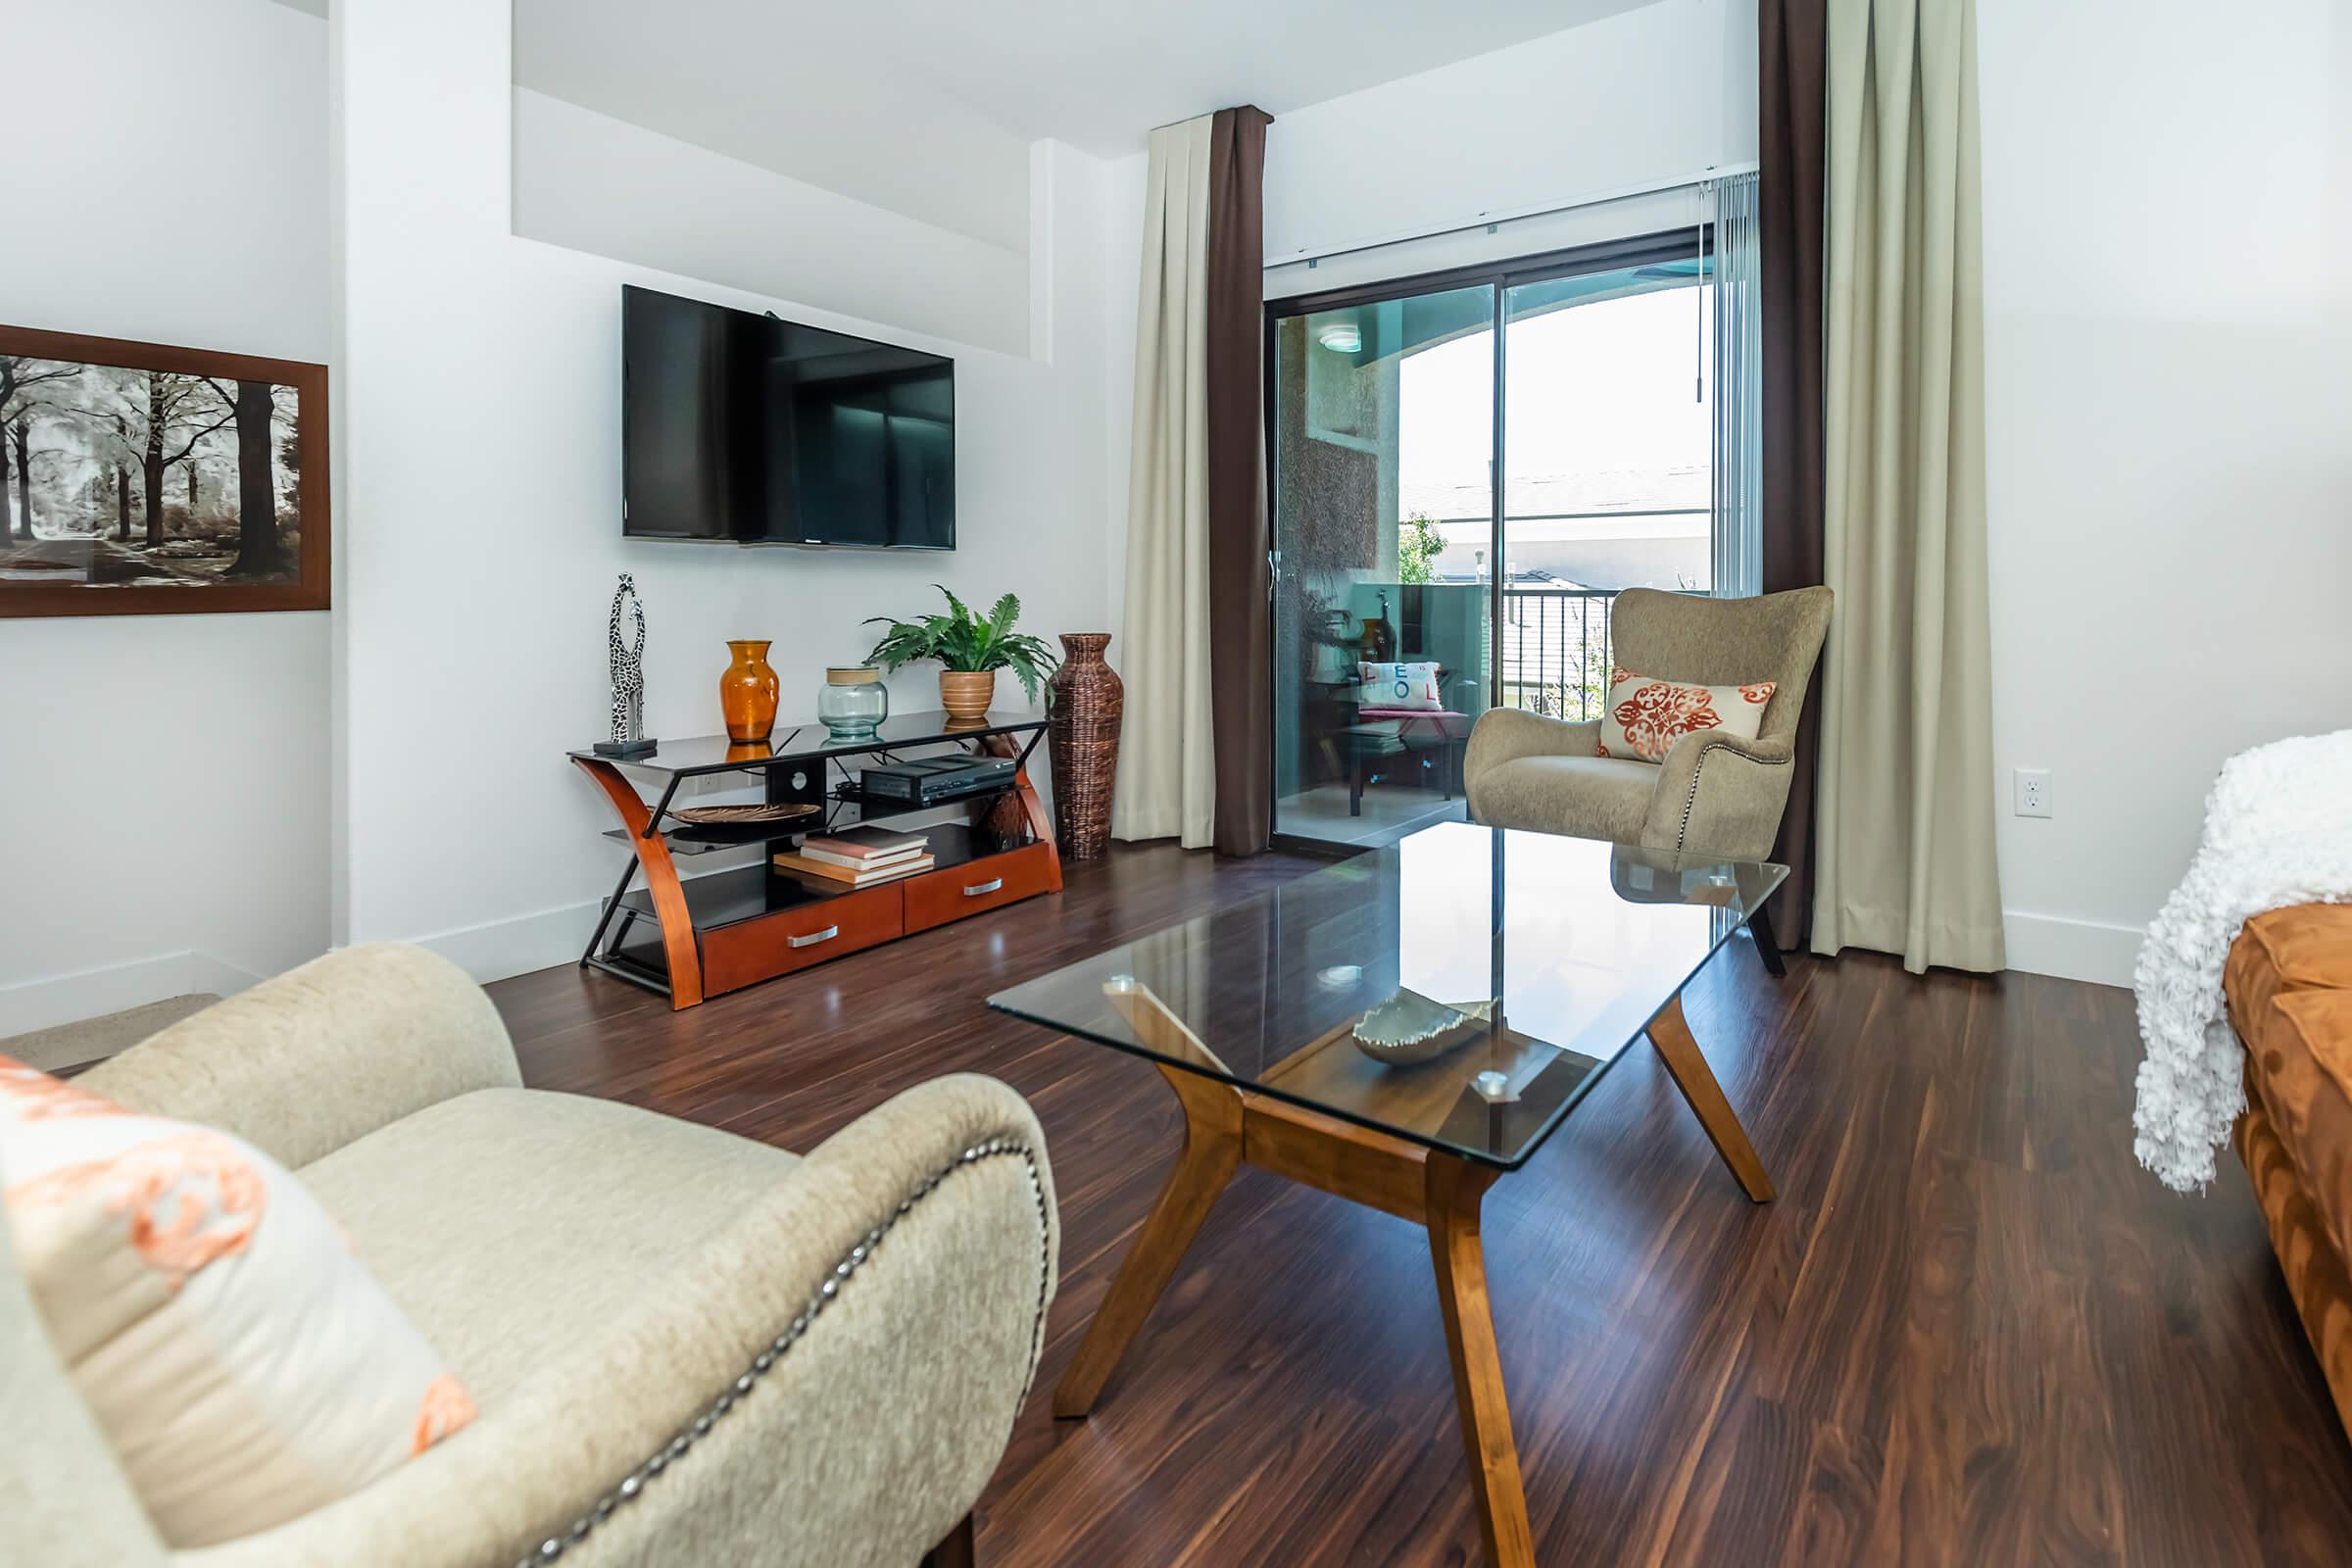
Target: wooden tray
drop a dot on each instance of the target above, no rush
(743, 816)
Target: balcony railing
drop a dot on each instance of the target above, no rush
(1555, 650)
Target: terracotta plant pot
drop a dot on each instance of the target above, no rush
(747, 693)
(1084, 723)
(965, 695)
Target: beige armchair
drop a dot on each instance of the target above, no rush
(685, 1347)
(1714, 793)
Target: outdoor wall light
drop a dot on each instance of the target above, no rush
(1341, 337)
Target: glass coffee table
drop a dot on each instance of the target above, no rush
(1404, 1029)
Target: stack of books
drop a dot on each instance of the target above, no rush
(858, 857)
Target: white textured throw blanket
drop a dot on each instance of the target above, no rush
(2277, 833)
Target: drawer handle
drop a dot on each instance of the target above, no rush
(815, 937)
(989, 886)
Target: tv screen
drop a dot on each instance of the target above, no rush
(754, 430)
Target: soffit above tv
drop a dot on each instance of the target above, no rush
(788, 78)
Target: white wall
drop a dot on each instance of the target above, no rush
(481, 462)
(593, 183)
(2168, 204)
(162, 800)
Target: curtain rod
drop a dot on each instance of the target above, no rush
(1308, 255)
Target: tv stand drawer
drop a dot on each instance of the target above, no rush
(938, 897)
(792, 939)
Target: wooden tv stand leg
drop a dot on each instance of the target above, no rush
(1028, 802)
(685, 954)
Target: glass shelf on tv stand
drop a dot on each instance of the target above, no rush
(805, 742)
(716, 838)
(783, 763)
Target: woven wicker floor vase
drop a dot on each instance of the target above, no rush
(1088, 700)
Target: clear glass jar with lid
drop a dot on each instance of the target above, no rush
(853, 702)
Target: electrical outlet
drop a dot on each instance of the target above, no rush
(2033, 791)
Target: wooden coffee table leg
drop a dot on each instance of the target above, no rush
(1212, 1149)
(1454, 1189)
(1670, 1036)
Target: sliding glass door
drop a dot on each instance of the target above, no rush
(1383, 416)
(1409, 595)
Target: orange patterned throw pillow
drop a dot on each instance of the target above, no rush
(1644, 716)
(245, 1368)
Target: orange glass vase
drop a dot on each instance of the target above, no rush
(747, 693)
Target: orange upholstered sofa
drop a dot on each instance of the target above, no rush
(2289, 985)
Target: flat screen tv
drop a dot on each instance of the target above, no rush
(746, 429)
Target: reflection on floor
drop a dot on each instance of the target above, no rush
(1391, 812)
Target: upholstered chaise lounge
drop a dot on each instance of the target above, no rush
(2288, 983)
(685, 1347)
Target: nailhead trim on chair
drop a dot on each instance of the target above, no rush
(1690, 801)
(634, 1484)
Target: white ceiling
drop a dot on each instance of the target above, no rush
(927, 106)
(1096, 75)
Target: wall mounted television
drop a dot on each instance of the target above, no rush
(743, 429)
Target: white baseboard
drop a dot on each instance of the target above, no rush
(55, 1000)
(2071, 948)
(497, 950)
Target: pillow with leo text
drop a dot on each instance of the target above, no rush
(1412, 687)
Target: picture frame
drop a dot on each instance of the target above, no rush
(128, 473)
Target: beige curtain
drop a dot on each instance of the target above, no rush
(1906, 793)
(1167, 772)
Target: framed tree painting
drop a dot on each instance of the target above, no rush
(141, 479)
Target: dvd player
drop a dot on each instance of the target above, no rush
(935, 780)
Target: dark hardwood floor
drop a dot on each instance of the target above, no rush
(1970, 1331)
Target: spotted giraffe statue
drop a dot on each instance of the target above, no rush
(628, 666)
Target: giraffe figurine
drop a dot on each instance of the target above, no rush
(627, 662)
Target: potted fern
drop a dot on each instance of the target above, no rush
(970, 650)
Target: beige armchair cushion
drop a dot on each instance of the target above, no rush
(510, 1221)
(1583, 797)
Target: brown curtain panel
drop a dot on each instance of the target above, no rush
(1239, 719)
(1793, 46)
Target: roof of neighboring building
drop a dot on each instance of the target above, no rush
(1555, 495)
